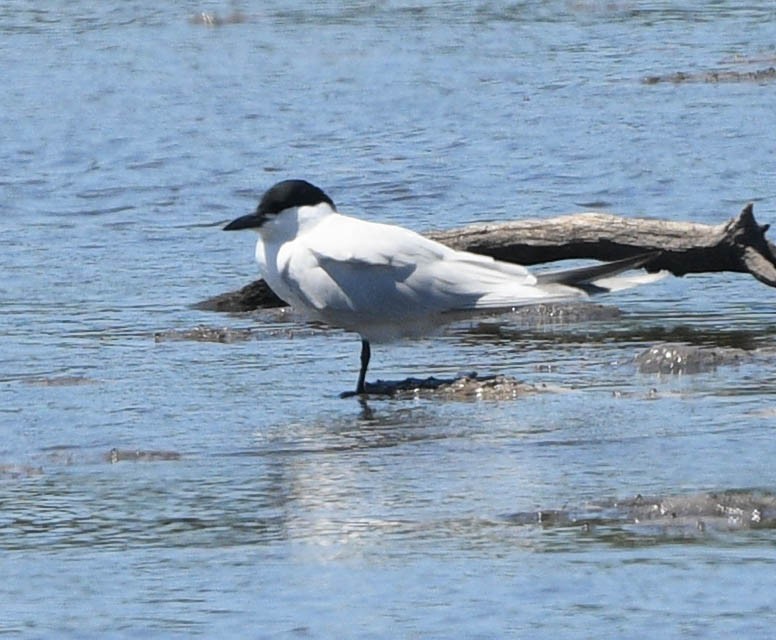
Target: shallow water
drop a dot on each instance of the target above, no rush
(132, 132)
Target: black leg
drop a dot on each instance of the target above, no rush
(366, 353)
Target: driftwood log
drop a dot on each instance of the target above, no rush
(738, 245)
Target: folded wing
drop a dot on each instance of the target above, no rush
(389, 272)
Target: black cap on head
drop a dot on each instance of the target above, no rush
(283, 195)
(291, 193)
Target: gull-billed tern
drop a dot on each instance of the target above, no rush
(386, 282)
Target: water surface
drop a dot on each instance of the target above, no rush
(132, 132)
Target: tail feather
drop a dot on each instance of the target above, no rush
(602, 278)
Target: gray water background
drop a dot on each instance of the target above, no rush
(131, 132)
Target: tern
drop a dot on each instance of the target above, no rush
(386, 282)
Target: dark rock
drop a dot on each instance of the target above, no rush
(252, 296)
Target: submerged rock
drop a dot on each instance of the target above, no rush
(211, 19)
(736, 509)
(469, 387)
(690, 514)
(566, 313)
(58, 381)
(136, 455)
(17, 471)
(685, 358)
(202, 333)
(714, 76)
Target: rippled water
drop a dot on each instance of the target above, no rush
(186, 488)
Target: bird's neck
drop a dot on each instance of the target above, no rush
(294, 222)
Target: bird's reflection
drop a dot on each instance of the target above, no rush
(367, 413)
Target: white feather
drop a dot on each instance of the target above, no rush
(384, 281)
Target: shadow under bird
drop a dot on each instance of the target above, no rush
(386, 282)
